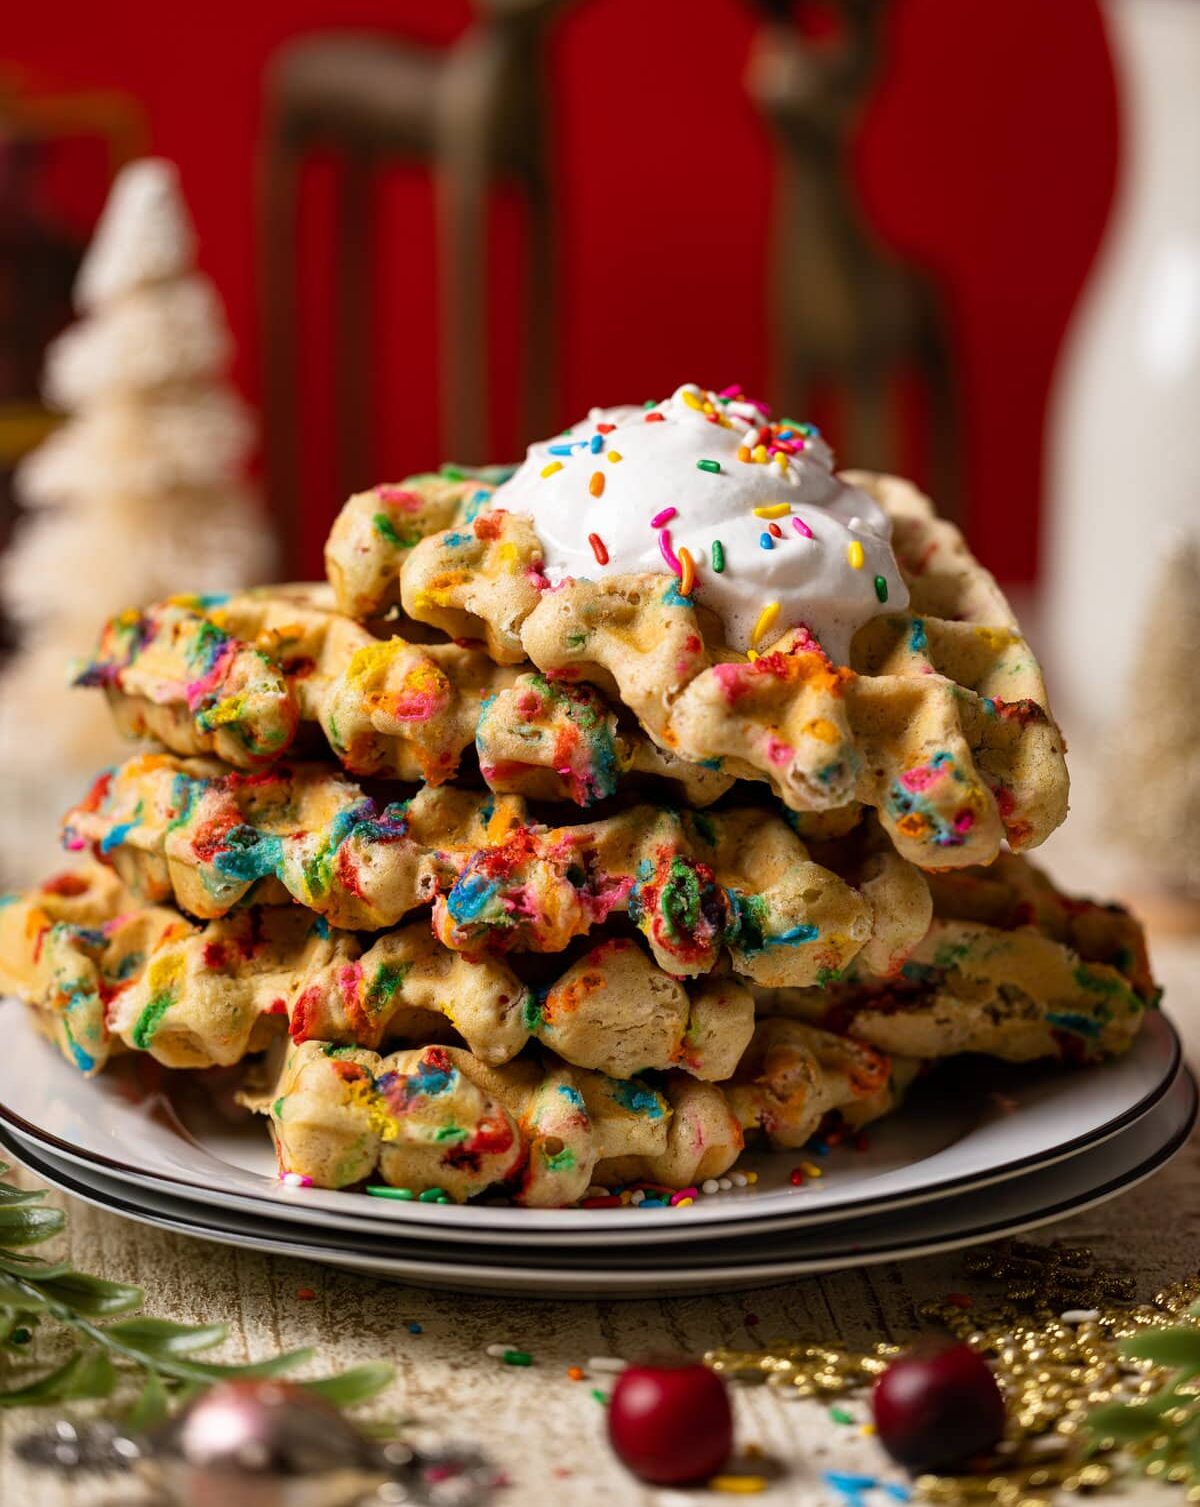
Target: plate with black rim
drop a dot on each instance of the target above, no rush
(970, 1124)
(1021, 1204)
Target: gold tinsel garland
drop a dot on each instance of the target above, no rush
(1053, 1337)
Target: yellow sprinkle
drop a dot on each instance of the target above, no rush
(774, 510)
(854, 553)
(596, 485)
(692, 400)
(555, 465)
(743, 452)
(738, 1485)
(759, 453)
(615, 455)
(781, 460)
(766, 620)
(867, 1428)
(810, 1169)
(751, 655)
(683, 1203)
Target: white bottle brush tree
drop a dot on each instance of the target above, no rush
(140, 494)
(1154, 773)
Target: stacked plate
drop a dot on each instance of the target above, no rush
(980, 1150)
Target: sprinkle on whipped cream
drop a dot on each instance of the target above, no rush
(744, 510)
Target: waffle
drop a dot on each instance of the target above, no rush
(247, 678)
(940, 723)
(1009, 967)
(105, 973)
(695, 884)
(543, 1132)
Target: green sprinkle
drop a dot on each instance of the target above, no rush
(840, 1415)
(709, 465)
(881, 588)
(517, 1358)
(718, 556)
(600, 1397)
(649, 403)
(453, 473)
(406, 1195)
(433, 1196)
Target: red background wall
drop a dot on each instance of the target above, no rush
(988, 155)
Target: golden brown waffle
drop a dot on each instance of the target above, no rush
(542, 1131)
(1010, 967)
(248, 677)
(105, 973)
(940, 723)
(696, 884)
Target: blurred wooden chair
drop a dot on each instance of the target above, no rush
(474, 113)
(849, 320)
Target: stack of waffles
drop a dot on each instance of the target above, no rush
(509, 874)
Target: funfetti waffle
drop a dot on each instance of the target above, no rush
(542, 1131)
(1010, 967)
(704, 565)
(698, 885)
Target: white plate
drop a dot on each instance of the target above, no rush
(971, 1126)
(1021, 1204)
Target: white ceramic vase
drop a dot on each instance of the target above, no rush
(1124, 459)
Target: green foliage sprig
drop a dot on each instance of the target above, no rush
(115, 1345)
(1160, 1430)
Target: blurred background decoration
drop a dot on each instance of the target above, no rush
(441, 230)
(138, 495)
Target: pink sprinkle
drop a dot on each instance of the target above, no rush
(668, 554)
(730, 392)
(664, 517)
(778, 751)
(801, 527)
(684, 1193)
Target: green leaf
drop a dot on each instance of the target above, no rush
(84, 1374)
(15, 1197)
(29, 1226)
(1124, 1423)
(92, 1296)
(151, 1407)
(354, 1386)
(274, 1365)
(155, 1337)
(31, 1268)
(1178, 1346)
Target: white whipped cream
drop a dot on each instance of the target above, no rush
(615, 475)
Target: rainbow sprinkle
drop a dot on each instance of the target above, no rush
(599, 549)
(555, 465)
(766, 621)
(802, 528)
(668, 554)
(881, 588)
(712, 466)
(687, 575)
(596, 485)
(718, 556)
(765, 541)
(775, 510)
(664, 517)
(854, 553)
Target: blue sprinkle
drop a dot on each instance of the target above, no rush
(116, 837)
(765, 541)
(820, 1147)
(415, 1328)
(564, 449)
(897, 1492)
(849, 1488)
(597, 443)
(916, 638)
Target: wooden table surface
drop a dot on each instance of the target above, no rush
(545, 1431)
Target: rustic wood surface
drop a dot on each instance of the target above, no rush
(545, 1431)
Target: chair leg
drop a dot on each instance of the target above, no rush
(352, 335)
(539, 321)
(461, 186)
(279, 305)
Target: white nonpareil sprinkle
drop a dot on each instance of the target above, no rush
(638, 1196)
(596, 1191)
(724, 1183)
(606, 1363)
(1080, 1315)
(739, 1179)
(500, 1350)
(710, 1185)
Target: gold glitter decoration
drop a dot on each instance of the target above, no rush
(1053, 1329)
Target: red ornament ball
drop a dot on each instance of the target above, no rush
(669, 1421)
(936, 1410)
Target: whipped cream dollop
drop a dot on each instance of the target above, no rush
(744, 510)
